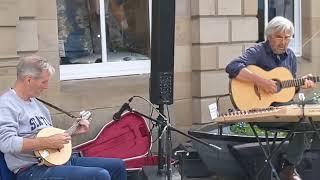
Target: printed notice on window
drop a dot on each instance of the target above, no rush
(213, 110)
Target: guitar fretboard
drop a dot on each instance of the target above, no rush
(298, 82)
(75, 125)
(73, 128)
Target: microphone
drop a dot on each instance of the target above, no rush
(125, 106)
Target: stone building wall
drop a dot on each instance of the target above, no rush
(221, 31)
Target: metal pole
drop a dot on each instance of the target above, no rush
(168, 153)
(103, 31)
(160, 141)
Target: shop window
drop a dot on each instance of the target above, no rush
(291, 9)
(102, 38)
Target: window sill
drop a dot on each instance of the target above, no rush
(109, 69)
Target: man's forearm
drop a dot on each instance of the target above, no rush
(32, 144)
(248, 76)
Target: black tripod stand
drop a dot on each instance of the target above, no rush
(166, 128)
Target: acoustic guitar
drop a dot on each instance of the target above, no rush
(247, 95)
(53, 157)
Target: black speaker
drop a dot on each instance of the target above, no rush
(162, 52)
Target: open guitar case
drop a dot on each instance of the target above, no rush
(128, 138)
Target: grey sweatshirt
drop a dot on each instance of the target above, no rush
(20, 119)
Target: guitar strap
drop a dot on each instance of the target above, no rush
(57, 108)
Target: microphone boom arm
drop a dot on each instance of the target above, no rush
(168, 125)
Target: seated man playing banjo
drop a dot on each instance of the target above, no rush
(22, 117)
(269, 55)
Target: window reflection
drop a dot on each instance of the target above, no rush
(283, 8)
(127, 30)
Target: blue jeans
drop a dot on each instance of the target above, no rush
(78, 168)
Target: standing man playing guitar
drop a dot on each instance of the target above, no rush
(269, 55)
(22, 116)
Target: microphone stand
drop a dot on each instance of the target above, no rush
(160, 131)
(166, 126)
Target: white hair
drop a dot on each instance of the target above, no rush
(33, 66)
(279, 24)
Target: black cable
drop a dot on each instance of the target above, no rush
(153, 124)
(152, 105)
(153, 109)
(155, 140)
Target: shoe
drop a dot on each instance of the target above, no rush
(289, 172)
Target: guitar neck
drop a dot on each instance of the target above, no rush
(298, 82)
(73, 128)
(86, 115)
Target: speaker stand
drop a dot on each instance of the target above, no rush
(166, 127)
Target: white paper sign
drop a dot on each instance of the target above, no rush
(213, 110)
(301, 96)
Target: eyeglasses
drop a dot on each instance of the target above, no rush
(282, 38)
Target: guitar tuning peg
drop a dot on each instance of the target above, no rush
(81, 113)
(85, 114)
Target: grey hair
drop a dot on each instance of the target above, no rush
(33, 66)
(279, 24)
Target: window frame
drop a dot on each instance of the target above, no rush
(296, 42)
(106, 69)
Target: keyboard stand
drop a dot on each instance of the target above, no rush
(270, 151)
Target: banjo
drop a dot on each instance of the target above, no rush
(53, 157)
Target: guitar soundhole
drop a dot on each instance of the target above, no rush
(278, 84)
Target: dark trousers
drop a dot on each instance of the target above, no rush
(299, 142)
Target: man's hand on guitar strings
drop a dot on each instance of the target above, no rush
(267, 85)
(307, 82)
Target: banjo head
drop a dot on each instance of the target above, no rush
(51, 157)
